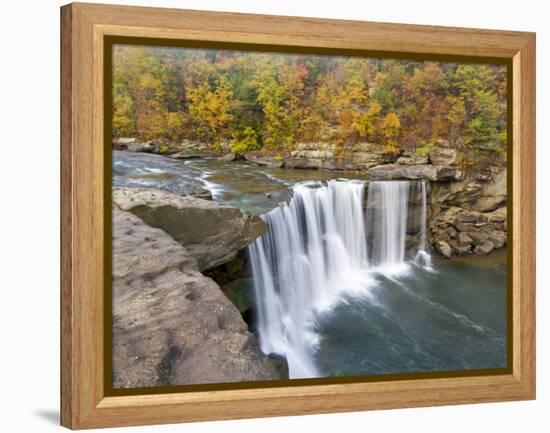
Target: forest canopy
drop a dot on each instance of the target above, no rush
(270, 101)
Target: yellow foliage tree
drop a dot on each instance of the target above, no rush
(390, 131)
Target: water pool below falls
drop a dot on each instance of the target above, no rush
(339, 290)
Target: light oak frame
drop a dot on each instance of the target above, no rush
(83, 400)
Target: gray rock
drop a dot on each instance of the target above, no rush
(360, 156)
(415, 172)
(442, 143)
(459, 249)
(471, 217)
(478, 237)
(497, 237)
(268, 160)
(485, 248)
(313, 155)
(465, 227)
(464, 239)
(412, 158)
(443, 248)
(497, 216)
(171, 324)
(146, 147)
(228, 157)
(493, 194)
(442, 156)
(212, 232)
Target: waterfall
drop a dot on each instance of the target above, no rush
(387, 214)
(423, 258)
(315, 251)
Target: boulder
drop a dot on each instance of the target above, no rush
(442, 156)
(213, 233)
(497, 238)
(485, 248)
(478, 237)
(498, 215)
(464, 239)
(472, 217)
(171, 324)
(443, 248)
(459, 249)
(146, 147)
(268, 160)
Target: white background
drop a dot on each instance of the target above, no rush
(29, 215)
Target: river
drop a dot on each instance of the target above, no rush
(337, 292)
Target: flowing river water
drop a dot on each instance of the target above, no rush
(338, 291)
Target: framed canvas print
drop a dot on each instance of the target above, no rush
(268, 216)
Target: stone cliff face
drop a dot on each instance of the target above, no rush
(470, 216)
(467, 214)
(172, 324)
(327, 155)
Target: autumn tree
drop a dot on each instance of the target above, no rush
(271, 101)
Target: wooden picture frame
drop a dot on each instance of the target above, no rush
(84, 262)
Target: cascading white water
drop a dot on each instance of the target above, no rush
(387, 215)
(423, 258)
(314, 251)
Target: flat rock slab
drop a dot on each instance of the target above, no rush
(171, 324)
(213, 233)
(415, 172)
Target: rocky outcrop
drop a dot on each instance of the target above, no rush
(470, 216)
(213, 233)
(412, 158)
(442, 153)
(132, 145)
(415, 172)
(228, 157)
(268, 160)
(192, 149)
(360, 156)
(171, 324)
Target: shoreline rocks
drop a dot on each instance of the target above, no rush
(415, 172)
(268, 160)
(171, 324)
(213, 233)
(470, 216)
(329, 156)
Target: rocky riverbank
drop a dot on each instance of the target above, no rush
(172, 324)
(467, 210)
